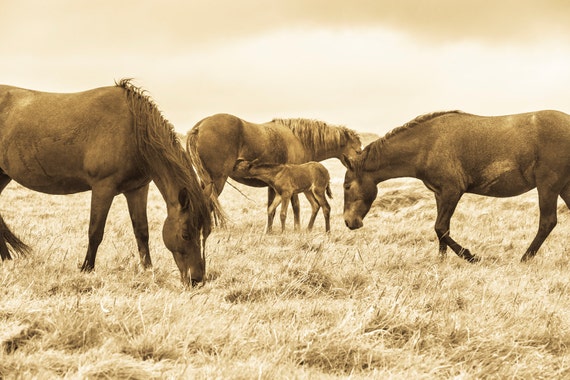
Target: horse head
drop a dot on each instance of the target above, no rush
(182, 236)
(360, 190)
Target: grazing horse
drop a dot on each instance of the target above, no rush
(109, 140)
(310, 178)
(218, 141)
(455, 153)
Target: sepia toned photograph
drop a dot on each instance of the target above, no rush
(284, 189)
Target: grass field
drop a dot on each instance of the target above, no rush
(376, 302)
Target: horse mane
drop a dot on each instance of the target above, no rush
(316, 135)
(161, 151)
(373, 151)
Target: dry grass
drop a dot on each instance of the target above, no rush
(376, 302)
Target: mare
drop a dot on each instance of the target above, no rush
(218, 141)
(455, 153)
(110, 140)
(310, 178)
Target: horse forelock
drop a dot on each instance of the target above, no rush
(162, 152)
(316, 135)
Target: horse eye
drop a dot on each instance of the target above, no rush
(347, 186)
(186, 236)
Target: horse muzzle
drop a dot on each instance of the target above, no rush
(353, 223)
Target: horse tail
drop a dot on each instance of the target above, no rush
(205, 178)
(8, 237)
(328, 190)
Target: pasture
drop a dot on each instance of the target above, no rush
(375, 302)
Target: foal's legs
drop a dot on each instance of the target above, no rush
(137, 203)
(547, 198)
(285, 198)
(296, 213)
(271, 216)
(446, 203)
(322, 199)
(271, 210)
(101, 199)
(314, 208)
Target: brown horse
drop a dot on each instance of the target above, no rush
(109, 140)
(310, 178)
(455, 153)
(218, 141)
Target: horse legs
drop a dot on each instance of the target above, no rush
(446, 204)
(6, 236)
(137, 203)
(101, 199)
(547, 204)
(314, 207)
(271, 209)
(284, 206)
(322, 199)
(296, 213)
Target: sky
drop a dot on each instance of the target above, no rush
(371, 65)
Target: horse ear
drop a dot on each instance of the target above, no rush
(184, 199)
(346, 162)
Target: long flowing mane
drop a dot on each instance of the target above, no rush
(316, 135)
(373, 151)
(161, 151)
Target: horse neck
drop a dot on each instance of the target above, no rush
(323, 153)
(169, 189)
(266, 174)
(398, 156)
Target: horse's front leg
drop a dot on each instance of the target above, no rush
(285, 198)
(272, 207)
(446, 204)
(101, 199)
(547, 200)
(296, 212)
(270, 214)
(137, 203)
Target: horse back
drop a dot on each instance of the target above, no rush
(60, 142)
(499, 155)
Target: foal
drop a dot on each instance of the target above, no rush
(310, 178)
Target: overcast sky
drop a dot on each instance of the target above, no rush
(369, 65)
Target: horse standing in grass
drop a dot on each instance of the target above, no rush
(109, 140)
(310, 178)
(218, 141)
(455, 153)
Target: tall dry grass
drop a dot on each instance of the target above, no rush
(376, 302)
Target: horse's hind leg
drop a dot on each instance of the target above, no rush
(314, 209)
(6, 236)
(101, 199)
(137, 203)
(547, 203)
(446, 204)
(326, 210)
(296, 212)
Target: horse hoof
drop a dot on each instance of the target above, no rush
(473, 259)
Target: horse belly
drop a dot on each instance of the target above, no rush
(504, 184)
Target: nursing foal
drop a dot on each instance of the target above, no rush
(310, 178)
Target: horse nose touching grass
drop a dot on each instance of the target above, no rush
(73, 135)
